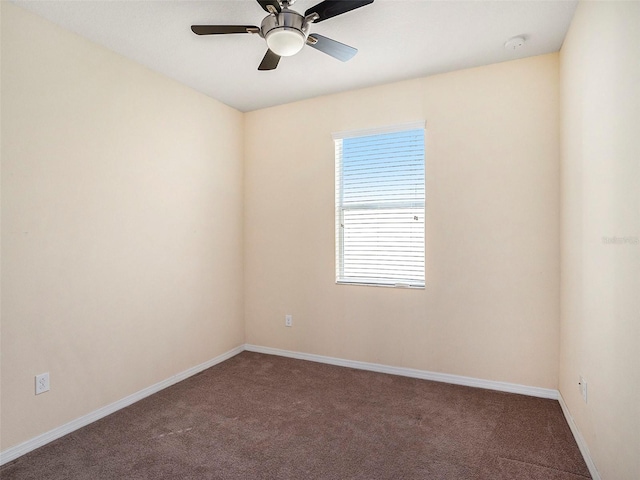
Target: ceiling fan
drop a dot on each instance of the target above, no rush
(286, 31)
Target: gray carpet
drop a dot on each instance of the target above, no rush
(263, 417)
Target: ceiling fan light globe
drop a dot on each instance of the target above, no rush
(284, 41)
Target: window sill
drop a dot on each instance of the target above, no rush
(404, 286)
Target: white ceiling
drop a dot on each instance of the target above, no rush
(396, 39)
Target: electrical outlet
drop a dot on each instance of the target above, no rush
(582, 383)
(42, 383)
(288, 321)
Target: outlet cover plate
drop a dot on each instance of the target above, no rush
(583, 388)
(42, 383)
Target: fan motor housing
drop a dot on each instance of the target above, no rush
(285, 32)
(286, 20)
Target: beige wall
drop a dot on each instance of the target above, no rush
(490, 308)
(123, 213)
(121, 226)
(600, 321)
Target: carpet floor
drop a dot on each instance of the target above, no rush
(258, 416)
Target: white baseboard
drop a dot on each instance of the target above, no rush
(12, 453)
(582, 444)
(413, 373)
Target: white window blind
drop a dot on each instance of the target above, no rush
(380, 198)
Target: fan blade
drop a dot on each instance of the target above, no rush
(336, 49)
(274, 4)
(270, 61)
(223, 29)
(333, 8)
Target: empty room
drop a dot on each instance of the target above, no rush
(352, 239)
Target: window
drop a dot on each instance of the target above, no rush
(380, 197)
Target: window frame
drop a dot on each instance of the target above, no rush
(340, 207)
